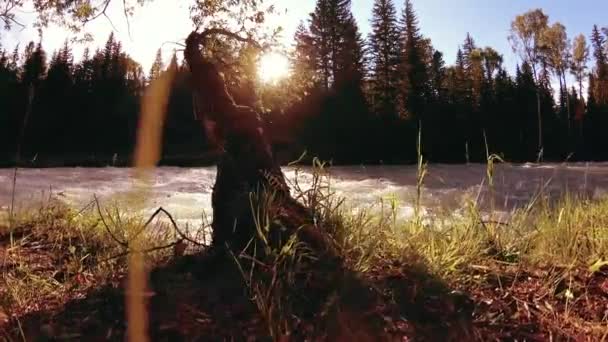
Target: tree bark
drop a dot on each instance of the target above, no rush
(567, 93)
(538, 111)
(247, 173)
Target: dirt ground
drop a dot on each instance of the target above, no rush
(202, 298)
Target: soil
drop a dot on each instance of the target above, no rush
(204, 298)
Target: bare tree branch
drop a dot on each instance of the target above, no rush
(175, 226)
(9, 18)
(111, 23)
(172, 42)
(124, 9)
(182, 235)
(219, 31)
(116, 239)
(106, 4)
(145, 251)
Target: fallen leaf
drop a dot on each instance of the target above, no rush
(597, 266)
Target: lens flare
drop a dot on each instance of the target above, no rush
(273, 67)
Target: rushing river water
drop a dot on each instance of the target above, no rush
(185, 192)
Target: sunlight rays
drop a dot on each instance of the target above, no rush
(273, 67)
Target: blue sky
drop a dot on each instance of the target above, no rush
(488, 21)
(445, 22)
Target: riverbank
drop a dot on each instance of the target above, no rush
(116, 160)
(541, 275)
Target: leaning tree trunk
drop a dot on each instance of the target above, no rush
(247, 173)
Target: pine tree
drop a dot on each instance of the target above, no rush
(491, 114)
(599, 52)
(595, 121)
(506, 127)
(338, 62)
(303, 62)
(384, 59)
(437, 75)
(329, 24)
(591, 102)
(468, 48)
(345, 36)
(107, 54)
(455, 113)
(33, 72)
(83, 72)
(157, 66)
(56, 99)
(173, 64)
(351, 112)
(84, 82)
(460, 90)
(3, 57)
(527, 91)
(9, 91)
(473, 61)
(34, 65)
(4, 61)
(59, 76)
(14, 60)
(320, 34)
(66, 56)
(351, 60)
(477, 74)
(601, 67)
(414, 83)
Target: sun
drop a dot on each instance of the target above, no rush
(273, 67)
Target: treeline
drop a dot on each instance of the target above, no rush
(57, 111)
(464, 111)
(56, 107)
(349, 99)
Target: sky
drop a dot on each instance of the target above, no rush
(445, 22)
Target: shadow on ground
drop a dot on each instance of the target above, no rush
(202, 298)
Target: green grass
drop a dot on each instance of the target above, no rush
(59, 251)
(560, 246)
(571, 233)
(543, 263)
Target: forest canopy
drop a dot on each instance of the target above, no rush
(348, 98)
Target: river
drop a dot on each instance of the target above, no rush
(185, 192)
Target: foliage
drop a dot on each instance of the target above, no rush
(346, 100)
(580, 57)
(384, 58)
(414, 83)
(526, 39)
(547, 253)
